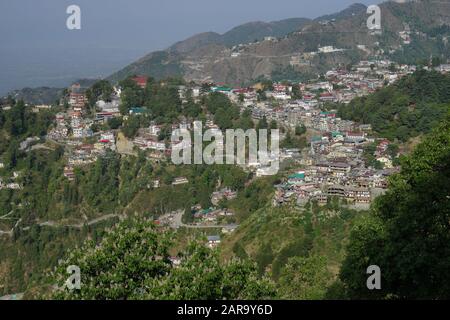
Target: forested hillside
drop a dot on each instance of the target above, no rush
(410, 107)
(408, 233)
(50, 214)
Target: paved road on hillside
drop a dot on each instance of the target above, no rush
(81, 224)
(177, 223)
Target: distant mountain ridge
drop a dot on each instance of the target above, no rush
(165, 63)
(37, 96)
(244, 33)
(214, 57)
(349, 12)
(44, 95)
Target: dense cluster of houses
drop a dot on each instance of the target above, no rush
(148, 140)
(338, 85)
(75, 124)
(339, 143)
(85, 153)
(73, 129)
(332, 166)
(323, 181)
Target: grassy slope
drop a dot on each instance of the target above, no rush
(272, 235)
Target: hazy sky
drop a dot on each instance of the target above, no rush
(35, 40)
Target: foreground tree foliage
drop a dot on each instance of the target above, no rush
(203, 276)
(408, 236)
(305, 278)
(132, 262)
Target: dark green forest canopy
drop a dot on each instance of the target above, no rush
(408, 108)
(161, 99)
(408, 235)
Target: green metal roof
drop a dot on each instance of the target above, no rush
(221, 89)
(138, 110)
(297, 176)
(206, 211)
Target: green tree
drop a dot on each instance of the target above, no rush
(300, 129)
(119, 266)
(132, 262)
(261, 95)
(408, 236)
(114, 123)
(100, 90)
(131, 126)
(305, 278)
(392, 150)
(411, 106)
(296, 93)
(202, 276)
(130, 99)
(273, 124)
(245, 122)
(262, 124)
(223, 119)
(436, 61)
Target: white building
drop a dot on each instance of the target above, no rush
(329, 49)
(77, 132)
(107, 136)
(154, 130)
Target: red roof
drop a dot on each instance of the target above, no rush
(140, 80)
(241, 90)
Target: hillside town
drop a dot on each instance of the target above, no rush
(225, 152)
(331, 164)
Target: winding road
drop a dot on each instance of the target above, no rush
(81, 224)
(177, 223)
